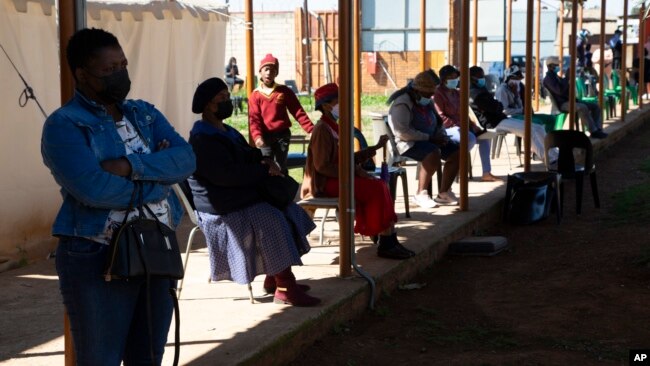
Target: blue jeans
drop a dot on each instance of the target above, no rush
(109, 319)
(483, 146)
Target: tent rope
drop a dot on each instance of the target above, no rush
(28, 92)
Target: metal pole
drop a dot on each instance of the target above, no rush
(475, 33)
(356, 60)
(623, 69)
(464, 103)
(346, 173)
(423, 34)
(572, 66)
(529, 83)
(537, 54)
(601, 61)
(642, 37)
(308, 48)
(561, 46)
(508, 34)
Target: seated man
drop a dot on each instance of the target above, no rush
(589, 113)
(420, 135)
(447, 103)
(490, 113)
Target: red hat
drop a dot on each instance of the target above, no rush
(269, 60)
(326, 93)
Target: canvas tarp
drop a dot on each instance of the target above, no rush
(171, 48)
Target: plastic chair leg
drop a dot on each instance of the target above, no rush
(594, 189)
(579, 183)
(322, 226)
(405, 193)
(250, 293)
(190, 239)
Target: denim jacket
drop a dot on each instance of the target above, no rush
(81, 134)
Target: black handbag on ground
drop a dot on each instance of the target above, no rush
(530, 197)
(279, 191)
(143, 246)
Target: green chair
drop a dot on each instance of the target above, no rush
(581, 95)
(631, 91)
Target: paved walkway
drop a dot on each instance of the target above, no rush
(219, 325)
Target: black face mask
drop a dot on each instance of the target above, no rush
(224, 110)
(116, 86)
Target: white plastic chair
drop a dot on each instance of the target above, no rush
(189, 208)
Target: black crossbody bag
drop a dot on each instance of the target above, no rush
(144, 247)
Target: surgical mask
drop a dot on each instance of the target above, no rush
(452, 83)
(116, 86)
(513, 82)
(480, 82)
(335, 111)
(224, 110)
(424, 101)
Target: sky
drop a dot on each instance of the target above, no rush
(614, 7)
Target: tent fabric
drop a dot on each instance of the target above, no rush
(171, 48)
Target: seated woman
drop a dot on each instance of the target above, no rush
(374, 211)
(246, 236)
(419, 135)
(232, 71)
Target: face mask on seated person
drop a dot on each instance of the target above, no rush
(424, 101)
(480, 82)
(513, 83)
(335, 111)
(452, 83)
(225, 110)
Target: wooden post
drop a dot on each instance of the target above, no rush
(464, 104)
(601, 61)
(537, 53)
(529, 82)
(69, 22)
(572, 69)
(356, 61)
(506, 62)
(580, 13)
(250, 48)
(475, 33)
(561, 36)
(642, 38)
(623, 70)
(423, 34)
(346, 173)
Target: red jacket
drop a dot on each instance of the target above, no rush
(268, 113)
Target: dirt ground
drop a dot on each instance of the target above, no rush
(577, 293)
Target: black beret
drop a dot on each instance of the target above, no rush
(205, 92)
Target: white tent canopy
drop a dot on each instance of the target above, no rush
(171, 47)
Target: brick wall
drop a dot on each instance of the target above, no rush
(401, 66)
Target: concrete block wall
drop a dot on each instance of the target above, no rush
(274, 33)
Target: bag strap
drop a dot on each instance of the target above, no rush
(136, 188)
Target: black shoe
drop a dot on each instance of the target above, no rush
(394, 252)
(393, 238)
(598, 134)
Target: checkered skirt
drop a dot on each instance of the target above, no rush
(259, 239)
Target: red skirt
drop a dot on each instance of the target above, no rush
(374, 209)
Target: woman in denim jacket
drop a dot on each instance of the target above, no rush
(96, 146)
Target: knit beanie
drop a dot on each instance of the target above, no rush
(423, 82)
(326, 94)
(205, 92)
(269, 60)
